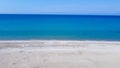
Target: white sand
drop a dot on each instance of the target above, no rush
(59, 54)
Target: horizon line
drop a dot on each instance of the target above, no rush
(66, 14)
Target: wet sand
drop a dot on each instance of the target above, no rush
(59, 54)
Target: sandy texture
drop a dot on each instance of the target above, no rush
(59, 54)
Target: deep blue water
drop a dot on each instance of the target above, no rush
(59, 27)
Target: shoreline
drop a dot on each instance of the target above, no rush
(59, 44)
(60, 40)
(57, 41)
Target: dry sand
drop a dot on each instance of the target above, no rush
(59, 54)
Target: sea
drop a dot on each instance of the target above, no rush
(59, 27)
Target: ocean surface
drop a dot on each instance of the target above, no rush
(59, 27)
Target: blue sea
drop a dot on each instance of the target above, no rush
(59, 27)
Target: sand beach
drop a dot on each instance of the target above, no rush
(59, 54)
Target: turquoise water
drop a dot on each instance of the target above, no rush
(59, 27)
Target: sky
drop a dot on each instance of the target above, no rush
(87, 7)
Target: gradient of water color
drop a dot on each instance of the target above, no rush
(59, 27)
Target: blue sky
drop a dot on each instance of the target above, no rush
(96, 7)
